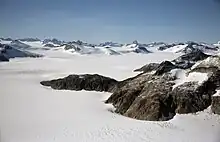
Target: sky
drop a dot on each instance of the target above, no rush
(112, 20)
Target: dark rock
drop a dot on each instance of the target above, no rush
(71, 46)
(144, 97)
(50, 45)
(164, 67)
(135, 42)
(141, 49)
(164, 47)
(79, 82)
(188, 99)
(148, 68)
(215, 107)
(193, 56)
(54, 41)
(150, 97)
(188, 60)
(3, 58)
(153, 102)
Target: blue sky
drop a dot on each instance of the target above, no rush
(112, 20)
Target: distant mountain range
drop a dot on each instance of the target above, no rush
(106, 48)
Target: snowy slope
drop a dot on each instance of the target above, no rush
(183, 77)
(5, 41)
(176, 48)
(217, 44)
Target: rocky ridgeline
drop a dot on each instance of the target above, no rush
(151, 95)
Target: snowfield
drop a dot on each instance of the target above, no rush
(30, 112)
(182, 77)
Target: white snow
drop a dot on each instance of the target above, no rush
(182, 77)
(208, 62)
(176, 49)
(34, 43)
(5, 42)
(56, 45)
(217, 44)
(217, 93)
(30, 112)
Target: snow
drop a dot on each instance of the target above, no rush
(217, 93)
(182, 77)
(5, 41)
(56, 45)
(208, 62)
(176, 49)
(30, 112)
(34, 43)
(217, 44)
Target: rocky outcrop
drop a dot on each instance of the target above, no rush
(164, 67)
(3, 58)
(152, 97)
(215, 104)
(159, 69)
(183, 62)
(188, 60)
(148, 68)
(83, 82)
(50, 45)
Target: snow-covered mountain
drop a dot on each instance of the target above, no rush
(19, 44)
(82, 49)
(110, 48)
(189, 47)
(217, 44)
(7, 52)
(53, 41)
(110, 44)
(136, 48)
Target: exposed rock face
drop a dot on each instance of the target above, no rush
(184, 62)
(70, 46)
(3, 58)
(215, 104)
(148, 68)
(164, 67)
(151, 97)
(50, 45)
(153, 101)
(54, 41)
(159, 69)
(188, 60)
(79, 82)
